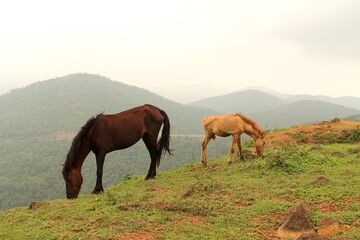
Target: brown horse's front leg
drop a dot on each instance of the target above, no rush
(99, 172)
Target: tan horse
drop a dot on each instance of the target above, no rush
(234, 125)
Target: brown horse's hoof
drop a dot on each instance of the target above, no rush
(149, 177)
(72, 196)
(97, 191)
(230, 163)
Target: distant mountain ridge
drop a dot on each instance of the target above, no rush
(351, 102)
(271, 111)
(242, 101)
(187, 94)
(266, 90)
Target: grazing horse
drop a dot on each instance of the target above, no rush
(105, 133)
(234, 125)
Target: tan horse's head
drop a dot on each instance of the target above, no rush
(260, 145)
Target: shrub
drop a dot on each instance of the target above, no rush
(326, 138)
(300, 137)
(350, 136)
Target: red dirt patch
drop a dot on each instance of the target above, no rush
(193, 219)
(335, 206)
(137, 235)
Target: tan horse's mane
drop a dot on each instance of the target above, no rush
(251, 122)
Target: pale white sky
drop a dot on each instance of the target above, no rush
(290, 46)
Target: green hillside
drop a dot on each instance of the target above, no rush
(246, 200)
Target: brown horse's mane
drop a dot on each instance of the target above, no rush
(76, 143)
(251, 122)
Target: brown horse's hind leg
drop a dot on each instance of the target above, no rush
(100, 157)
(151, 145)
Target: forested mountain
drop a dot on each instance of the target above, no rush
(64, 105)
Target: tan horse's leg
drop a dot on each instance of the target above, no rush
(239, 146)
(234, 142)
(203, 149)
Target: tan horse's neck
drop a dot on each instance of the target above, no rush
(251, 128)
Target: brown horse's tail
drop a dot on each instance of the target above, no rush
(164, 141)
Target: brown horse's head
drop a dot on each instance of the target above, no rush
(73, 180)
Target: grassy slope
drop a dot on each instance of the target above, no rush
(247, 200)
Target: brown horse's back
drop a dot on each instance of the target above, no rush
(122, 130)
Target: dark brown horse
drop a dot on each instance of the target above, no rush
(105, 133)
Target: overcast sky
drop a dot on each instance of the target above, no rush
(290, 46)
